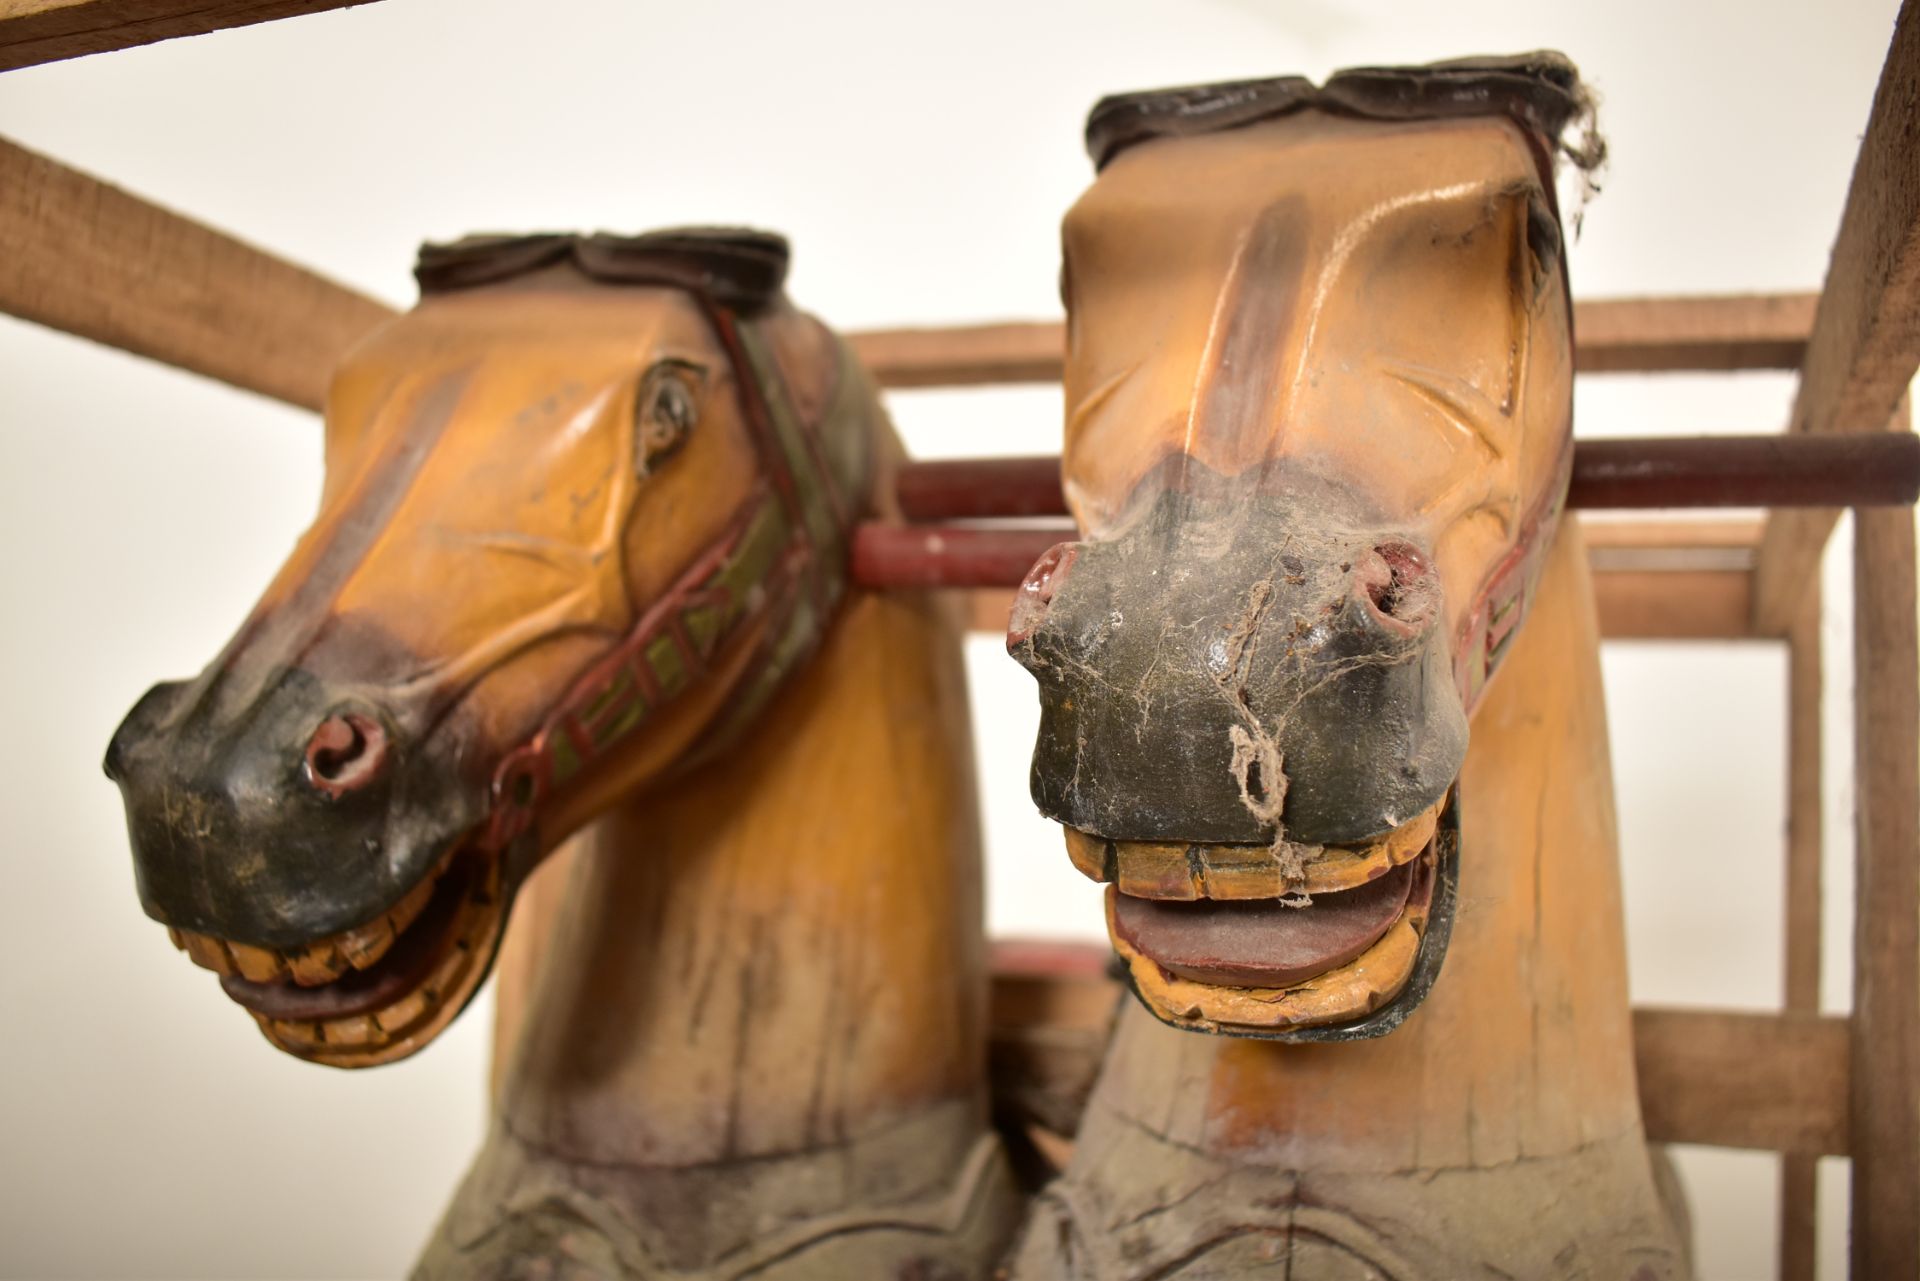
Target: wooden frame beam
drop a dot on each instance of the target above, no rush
(38, 31)
(1611, 335)
(1885, 1027)
(1801, 934)
(82, 256)
(1865, 343)
(89, 259)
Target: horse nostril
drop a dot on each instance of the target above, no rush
(346, 752)
(1399, 586)
(1037, 590)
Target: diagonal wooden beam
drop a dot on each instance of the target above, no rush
(89, 259)
(1865, 343)
(37, 31)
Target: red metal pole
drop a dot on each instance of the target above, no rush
(1708, 471)
(948, 555)
(1715, 471)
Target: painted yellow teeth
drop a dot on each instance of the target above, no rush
(398, 1029)
(1186, 871)
(318, 962)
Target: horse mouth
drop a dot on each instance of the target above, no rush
(1282, 942)
(378, 992)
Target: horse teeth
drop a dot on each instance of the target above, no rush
(1093, 855)
(208, 953)
(299, 1032)
(364, 946)
(357, 1030)
(1150, 870)
(410, 907)
(1241, 872)
(257, 964)
(317, 964)
(403, 1013)
(1165, 870)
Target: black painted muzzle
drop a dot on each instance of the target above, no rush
(305, 810)
(1231, 667)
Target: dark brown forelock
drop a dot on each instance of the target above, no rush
(737, 268)
(1540, 91)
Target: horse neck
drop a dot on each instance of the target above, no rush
(782, 952)
(1523, 1048)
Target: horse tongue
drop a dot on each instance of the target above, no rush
(1263, 942)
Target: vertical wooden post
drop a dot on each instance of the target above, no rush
(1884, 1092)
(1803, 898)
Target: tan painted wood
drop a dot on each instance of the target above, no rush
(89, 259)
(1612, 335)
(1801, 947)
(39, 31)
(1885, 1093)
(1763, 1082)
(1865, 342)
(765, 986)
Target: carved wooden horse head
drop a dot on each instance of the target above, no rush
(585, 506)
(1318, 384)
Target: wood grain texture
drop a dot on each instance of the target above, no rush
(1798, 1183)
(1865, 342)
(1737, 1080)
(1611, 335)
(1885, 1092)
(38, 31)
(86, 258)
(1730, 332)
(1763, 1082)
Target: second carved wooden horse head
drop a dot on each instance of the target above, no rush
(1318, 389)
(585, 507)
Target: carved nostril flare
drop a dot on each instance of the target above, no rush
(347, 752)
(1399, 586)
(1037, 590)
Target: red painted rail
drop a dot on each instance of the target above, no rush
(1714, 471)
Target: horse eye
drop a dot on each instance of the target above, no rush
(667, 409)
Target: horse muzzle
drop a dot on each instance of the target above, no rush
(1250, 728)
(308, 849)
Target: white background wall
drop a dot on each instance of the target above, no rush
(919, 156)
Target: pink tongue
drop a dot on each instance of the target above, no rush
(1261, 943)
